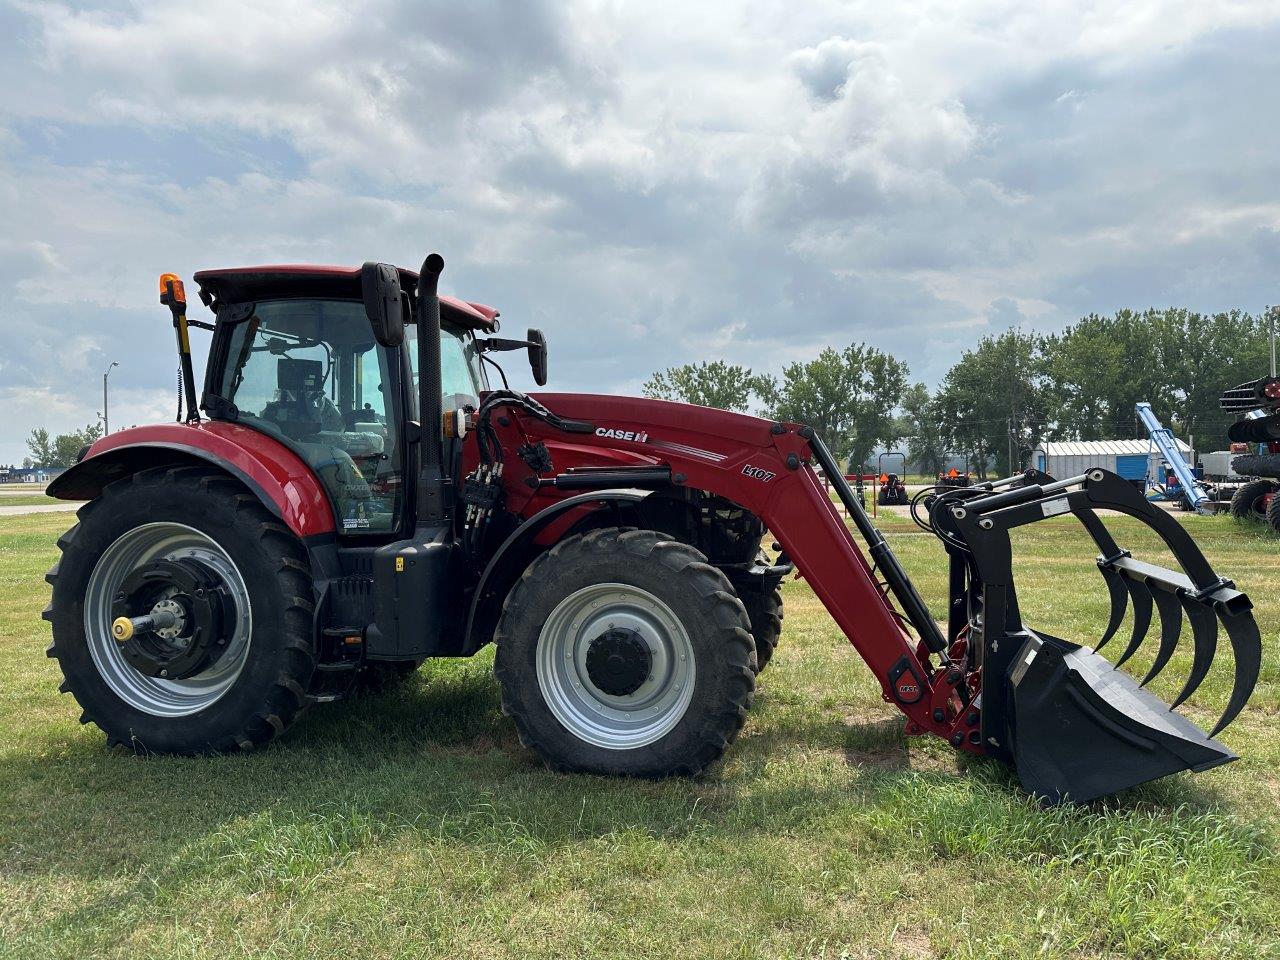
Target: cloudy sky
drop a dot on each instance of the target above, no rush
(650, 183)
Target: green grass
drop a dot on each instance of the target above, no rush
(413, 824)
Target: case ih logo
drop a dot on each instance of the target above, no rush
(638, 436)
(758, 473)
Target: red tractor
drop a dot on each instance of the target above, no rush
(358, 497)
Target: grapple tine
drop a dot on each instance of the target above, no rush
(1204, 634)
(1140, 593)
(1246, 646)
(1170, 630)
(1119, 602)
(1076, 726)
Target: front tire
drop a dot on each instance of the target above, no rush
(624, 652)
(251, 684)
(764, 609)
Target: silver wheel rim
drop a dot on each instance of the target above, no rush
(158, 697)
(615, 722)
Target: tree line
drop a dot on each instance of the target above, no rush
(61, 450)
(1009, 392)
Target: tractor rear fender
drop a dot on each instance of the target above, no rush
(518, 550)
(277, 476)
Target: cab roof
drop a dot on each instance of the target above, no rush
(241, 284)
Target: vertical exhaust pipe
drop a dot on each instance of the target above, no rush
(433, 506)
(416, 613)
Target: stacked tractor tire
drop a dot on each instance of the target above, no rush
(1256, 498)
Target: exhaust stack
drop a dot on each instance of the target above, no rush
(433, 505)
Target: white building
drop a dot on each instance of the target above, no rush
(1070, 458)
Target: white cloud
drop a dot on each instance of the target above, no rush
(651, 184)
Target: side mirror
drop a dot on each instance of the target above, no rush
(538, 356)
(384, 302)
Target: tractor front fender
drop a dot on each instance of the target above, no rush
(518, 551)
(270, 470)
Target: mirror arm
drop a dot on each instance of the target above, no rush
(499, 345)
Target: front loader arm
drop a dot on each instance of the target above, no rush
(1074, 726)
(768, 468)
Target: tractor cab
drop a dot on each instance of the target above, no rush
(296, 357)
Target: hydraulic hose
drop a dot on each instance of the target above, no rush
(904, 591)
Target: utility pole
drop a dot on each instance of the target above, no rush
(1012, 467)
(106, 423)
(1271, 317)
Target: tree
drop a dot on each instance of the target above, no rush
(61, 450)
(708, 384)
(992, 404)
(1097, 370)
(41, 447)
(67, 445)
(922, 426)
(1199, 357)
(848, 397)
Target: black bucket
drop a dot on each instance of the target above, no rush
(1083, 729)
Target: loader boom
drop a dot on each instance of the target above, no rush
(769, 468)
(1074, 727)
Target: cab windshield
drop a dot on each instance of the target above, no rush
(462, 379)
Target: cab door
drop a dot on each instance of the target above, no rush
(308, 373)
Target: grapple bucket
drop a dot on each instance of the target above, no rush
(1075, 726)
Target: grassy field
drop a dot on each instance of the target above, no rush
(412, 824)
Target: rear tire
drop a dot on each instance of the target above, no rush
(162, 515)
(1248, 502)
(656, 613)
(1257, 465)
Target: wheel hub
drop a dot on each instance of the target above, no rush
(623, 703)
(619, 662)
(195, 604)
